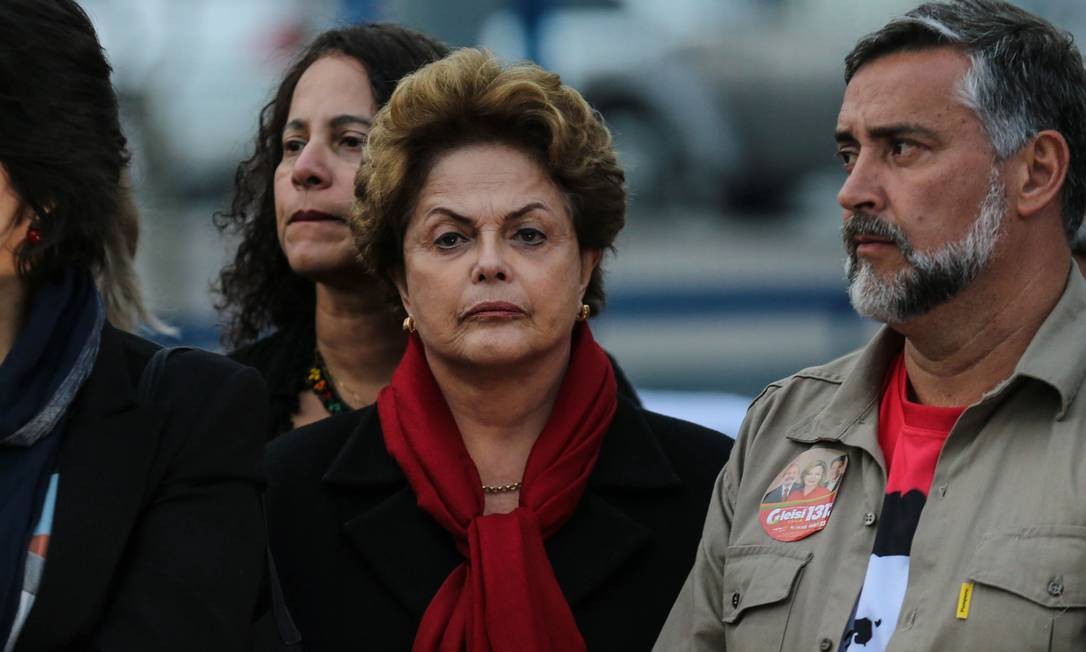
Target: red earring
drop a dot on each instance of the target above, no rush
(33, 235)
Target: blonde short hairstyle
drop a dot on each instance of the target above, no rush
(467, 98)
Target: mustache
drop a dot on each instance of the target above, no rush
(866, 224)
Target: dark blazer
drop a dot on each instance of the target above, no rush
(779, 493)
(359, 562)
(157, 540)
(284, 358)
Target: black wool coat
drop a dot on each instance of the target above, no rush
(158, 539)
(360, 562)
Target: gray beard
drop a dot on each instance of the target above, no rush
(930, 279)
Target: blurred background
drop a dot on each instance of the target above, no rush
(729, 273)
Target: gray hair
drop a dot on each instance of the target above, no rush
(1025, 76)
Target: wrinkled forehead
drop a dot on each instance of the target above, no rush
(908, 87)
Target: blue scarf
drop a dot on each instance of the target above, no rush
(51, 358)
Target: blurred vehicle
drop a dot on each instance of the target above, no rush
(193, 75)
(711, 101)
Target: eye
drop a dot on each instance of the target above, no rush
(900, 148)
(847, 156)
(353, 141)
(293, 145)
(530, 236)
(449, 240)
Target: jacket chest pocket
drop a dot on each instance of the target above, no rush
(1029, 587)
(759, 582)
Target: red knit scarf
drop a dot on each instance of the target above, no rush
(504, 597)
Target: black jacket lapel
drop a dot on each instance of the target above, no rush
(108, 446)
(410, 553)
(595, 543)
(600, 538)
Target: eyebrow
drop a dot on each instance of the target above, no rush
(520, 212)
(335, 123)
(889, 132)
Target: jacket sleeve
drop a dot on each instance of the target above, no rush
(191, 572)
(695, 620)
(695, 623)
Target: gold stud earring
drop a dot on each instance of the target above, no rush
(586, 310)
(409, 324)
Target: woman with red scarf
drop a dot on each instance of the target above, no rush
(500, 496)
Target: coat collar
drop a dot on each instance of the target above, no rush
(363, 461)
(631, 456)
(851, 415)
(108, 446)
(1054, 357)
(412, 555)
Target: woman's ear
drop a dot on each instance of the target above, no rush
(590, 260)
(400, 281)
(1044, 162)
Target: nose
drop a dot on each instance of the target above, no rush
(311, 169)
(862, 190)
(491, 263)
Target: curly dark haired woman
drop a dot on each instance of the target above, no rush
(334, 342)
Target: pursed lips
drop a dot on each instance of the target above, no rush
(493, 310)
(868, 243)
(314, 216)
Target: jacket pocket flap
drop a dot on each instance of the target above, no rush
(1044, 564)
(755, 576)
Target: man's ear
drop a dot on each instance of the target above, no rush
(1044, 163)
(590, 260)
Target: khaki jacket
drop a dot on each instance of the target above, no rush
(1006, 513)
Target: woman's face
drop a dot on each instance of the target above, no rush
(12, 228)
(493, 273)
(330, 116)
(813, 477)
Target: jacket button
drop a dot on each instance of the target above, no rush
(1055, 586)
(869, 518)
(825, 645)
(735, 599)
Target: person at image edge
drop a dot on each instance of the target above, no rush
(959, 520)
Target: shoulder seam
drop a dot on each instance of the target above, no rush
(820, 375)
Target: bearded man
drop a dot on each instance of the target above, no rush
(960, 521)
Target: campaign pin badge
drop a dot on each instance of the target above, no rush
(799, 500)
